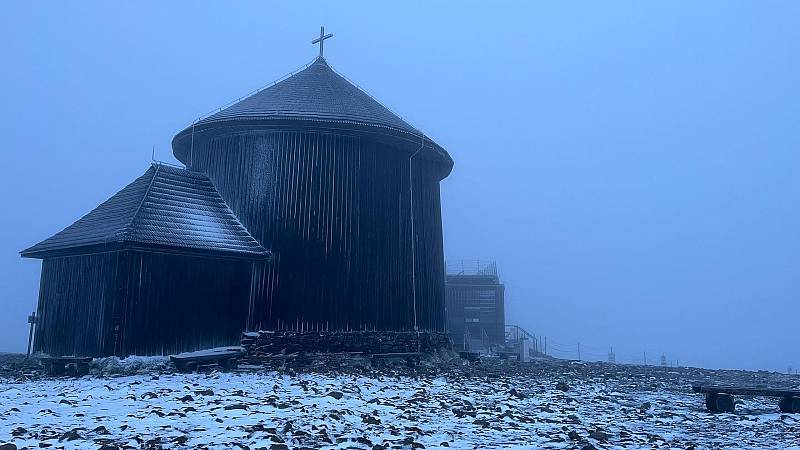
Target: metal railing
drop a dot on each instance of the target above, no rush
(514, 334)
(471, 267)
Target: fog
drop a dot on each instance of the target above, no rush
(632, 167)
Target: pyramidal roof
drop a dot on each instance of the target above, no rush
(168, 207)
(315, 93)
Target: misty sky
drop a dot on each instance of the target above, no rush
(632, 166)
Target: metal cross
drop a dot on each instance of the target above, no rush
(321, 39)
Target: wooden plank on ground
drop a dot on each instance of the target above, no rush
(67, 359)
(214, 354)
(396, 355)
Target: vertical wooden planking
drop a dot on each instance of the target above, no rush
(143, 302)
(73, 299)
(216, 289)
(339, 219)
(335, 208)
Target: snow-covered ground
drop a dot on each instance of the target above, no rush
(597, 405)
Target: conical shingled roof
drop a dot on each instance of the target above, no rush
(168, 207)
(316, 92)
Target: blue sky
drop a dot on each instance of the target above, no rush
(632, 166)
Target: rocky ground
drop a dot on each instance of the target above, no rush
(343, 402)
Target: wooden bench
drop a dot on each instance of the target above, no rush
(719, 398)
(225, 357)
(73, 366)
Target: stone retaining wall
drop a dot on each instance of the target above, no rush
(367, 342)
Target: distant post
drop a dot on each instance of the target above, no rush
(32, 321)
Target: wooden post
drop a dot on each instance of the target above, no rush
(32, 322)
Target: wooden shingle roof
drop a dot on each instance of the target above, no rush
(166, 207)
(317, 94)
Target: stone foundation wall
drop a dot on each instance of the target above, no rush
(367, 342)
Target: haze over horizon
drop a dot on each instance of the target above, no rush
(631, 167)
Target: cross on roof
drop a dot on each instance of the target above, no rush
(321, 39)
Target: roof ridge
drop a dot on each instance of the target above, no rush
(364, 91)
(123, 233)
(233, 213)
(256, 91)
(183, 210)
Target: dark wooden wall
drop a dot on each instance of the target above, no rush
(141, 302)
(73, 306)
(336, 210)
(169, 303)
